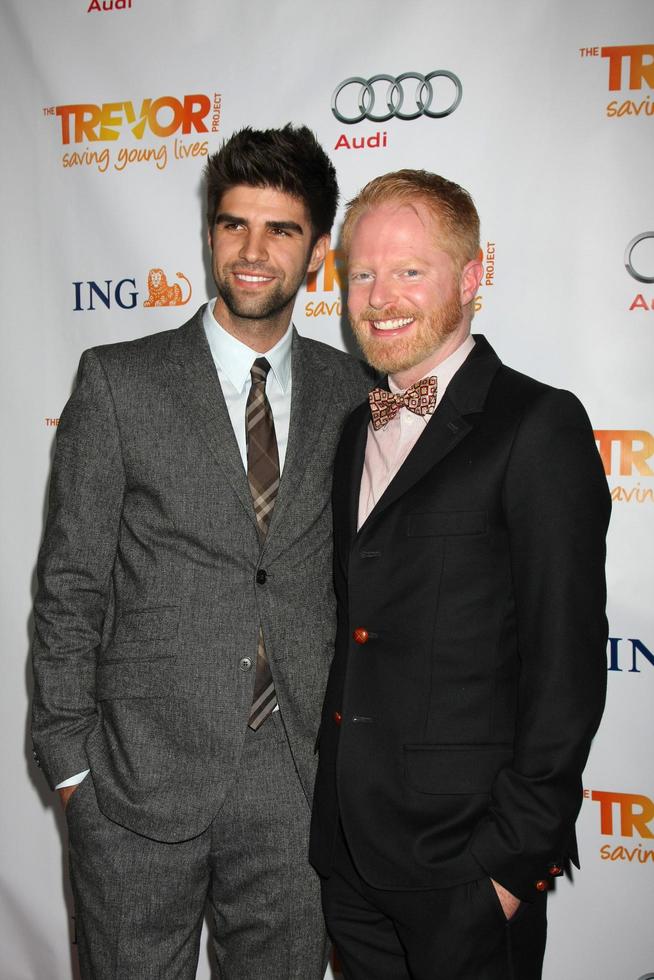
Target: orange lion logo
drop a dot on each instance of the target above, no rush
(162, 294)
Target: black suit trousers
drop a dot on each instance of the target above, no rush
(457, 933)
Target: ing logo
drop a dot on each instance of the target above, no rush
(161, 294)
(625, 815)
(630, 69)
(626, 653)
(124, 293)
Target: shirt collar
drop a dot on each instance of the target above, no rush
(444, 371)
(235, 358)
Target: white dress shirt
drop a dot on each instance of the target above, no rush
(233, 361)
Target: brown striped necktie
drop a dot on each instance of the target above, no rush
(263, 477)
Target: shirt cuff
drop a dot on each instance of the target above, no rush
(73, 780)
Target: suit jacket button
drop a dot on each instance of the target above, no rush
(245, 663)
(555, 870)
(541, 885)
(261, 576)
(37, 761)
(360, 635)
(338, 717)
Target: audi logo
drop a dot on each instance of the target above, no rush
(425, 93)
(640, 276)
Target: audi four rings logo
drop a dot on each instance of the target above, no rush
(640, 276)
(428, 88)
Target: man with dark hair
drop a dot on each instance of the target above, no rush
(184, 620)
(470, 513)
(272, 158)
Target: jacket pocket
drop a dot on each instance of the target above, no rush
(118, 680)
(454, 769)
(445, 523)
(144, 634)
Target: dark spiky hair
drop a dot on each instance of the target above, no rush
(289, 160)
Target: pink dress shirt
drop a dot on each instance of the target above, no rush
(388, 447)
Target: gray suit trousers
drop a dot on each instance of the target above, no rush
(141, 903)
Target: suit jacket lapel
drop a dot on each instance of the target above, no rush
(465, 396)
(195, 385)
(312, 381)
(353, 449)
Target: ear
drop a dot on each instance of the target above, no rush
(470, 281)
(210, 239)
(319, 253)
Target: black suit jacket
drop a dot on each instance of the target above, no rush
(454, 739)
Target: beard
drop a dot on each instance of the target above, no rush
(252, 307)
(427, 334)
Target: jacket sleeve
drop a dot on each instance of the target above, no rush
(74, 572)
(557, 507)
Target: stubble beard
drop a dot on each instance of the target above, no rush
(427, 335)
(251, 307)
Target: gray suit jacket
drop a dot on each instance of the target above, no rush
(151, 589)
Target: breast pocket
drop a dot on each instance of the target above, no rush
(446, 523)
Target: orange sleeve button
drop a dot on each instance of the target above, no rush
(555, 870)
(338, 717)
(542, 885)
(360, 635)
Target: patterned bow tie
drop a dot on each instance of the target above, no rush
(420, 398)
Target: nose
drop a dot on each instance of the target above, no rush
(254, 247)
(382, 292)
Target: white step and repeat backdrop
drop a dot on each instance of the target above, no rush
(544, 111)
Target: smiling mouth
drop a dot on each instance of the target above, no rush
(251, 279)
(396, 324)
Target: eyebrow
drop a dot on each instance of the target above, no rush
(225, 218)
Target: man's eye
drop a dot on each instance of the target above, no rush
(411, 273)
(360, 277)
(279, 232)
